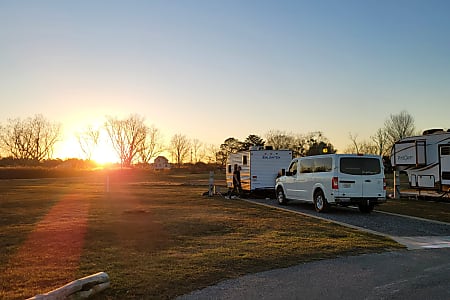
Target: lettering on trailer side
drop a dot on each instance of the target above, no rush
(404, 157)
(265, 156)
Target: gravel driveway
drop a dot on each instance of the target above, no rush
(413, 232)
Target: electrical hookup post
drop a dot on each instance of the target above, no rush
(211, 184)
(396, 184)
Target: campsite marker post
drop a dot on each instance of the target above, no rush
(107, 183)
(211, 184)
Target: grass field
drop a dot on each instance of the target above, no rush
(433, 210)
(153, 233)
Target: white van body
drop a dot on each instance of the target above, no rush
(259, 168)
(425, 158)
(337, 179)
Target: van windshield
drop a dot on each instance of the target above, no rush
(360, 165)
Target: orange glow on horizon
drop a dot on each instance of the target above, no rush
(102, 154)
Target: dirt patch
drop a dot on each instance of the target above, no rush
(134, 223)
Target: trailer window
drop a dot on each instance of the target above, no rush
(244, 160)
(229, 169)
(445, 150)
(360, 165)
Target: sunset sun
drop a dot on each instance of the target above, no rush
(104, 154)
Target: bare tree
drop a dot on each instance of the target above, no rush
(355, 146)
(212, 154)
(380, 140)
(364, 147)
(127, 137)
(88, 141)
(33, 138)
(280, 139)
(398, 127)
(152, 146)
(179, 147)
(197, 151)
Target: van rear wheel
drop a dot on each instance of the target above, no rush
(320, 203)
(281, 198)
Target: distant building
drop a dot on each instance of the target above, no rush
(161, 163)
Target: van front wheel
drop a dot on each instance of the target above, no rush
(281, 197)
(320, 203)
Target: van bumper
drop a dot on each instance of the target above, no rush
(359, 200)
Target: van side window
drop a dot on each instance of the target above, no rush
(323, 164)
(244, 160)
(306, 166)
(293, 168)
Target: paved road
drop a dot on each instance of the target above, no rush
(415, 274)
(422, 273)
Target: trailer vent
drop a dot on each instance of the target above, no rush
(445, 175)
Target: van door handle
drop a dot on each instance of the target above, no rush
(368, 180)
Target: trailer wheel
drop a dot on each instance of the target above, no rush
(281, 197)
(320, 203)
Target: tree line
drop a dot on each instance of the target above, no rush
(134, 142)
(396, 127)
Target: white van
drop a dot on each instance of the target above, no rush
(336, 179)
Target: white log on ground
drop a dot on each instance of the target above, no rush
(78, 289)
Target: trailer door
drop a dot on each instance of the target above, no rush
(444, 164)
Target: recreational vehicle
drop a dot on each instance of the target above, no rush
(425, 159)
(259, 168)
(334, 179)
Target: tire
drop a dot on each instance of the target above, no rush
(365, 209)
(281, 198)
(320, 203)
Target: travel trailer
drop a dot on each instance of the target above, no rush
(334, 179)
(425, 159)
(259, 168)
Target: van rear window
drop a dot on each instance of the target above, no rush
(360, 165)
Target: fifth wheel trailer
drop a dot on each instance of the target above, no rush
(425, 159)
(259, 168)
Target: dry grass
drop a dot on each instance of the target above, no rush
(157, 237)
(439, 211)
(433, 210)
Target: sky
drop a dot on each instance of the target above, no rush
(212, 69)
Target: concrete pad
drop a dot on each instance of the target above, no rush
(423, 242)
